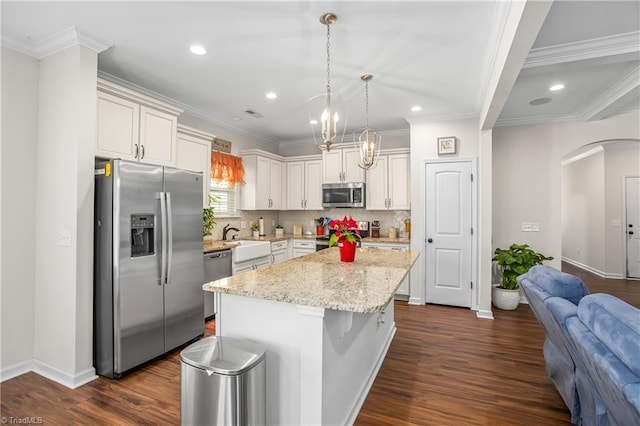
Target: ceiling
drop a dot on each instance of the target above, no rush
(434, 54)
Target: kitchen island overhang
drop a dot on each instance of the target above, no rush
(326, 326)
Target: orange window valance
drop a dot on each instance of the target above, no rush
(227, 167)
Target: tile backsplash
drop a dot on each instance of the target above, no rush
(306, 218)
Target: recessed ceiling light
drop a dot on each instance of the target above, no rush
(198, 50)
(313, 121)
(555, 87)
(236, 118)
(416, 108)
(271, 95)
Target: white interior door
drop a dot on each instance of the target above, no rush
(448, 225)
(632, 227)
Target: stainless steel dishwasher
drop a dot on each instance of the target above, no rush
(217, 265)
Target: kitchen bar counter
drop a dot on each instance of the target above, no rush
(325, 325)
(322, 280)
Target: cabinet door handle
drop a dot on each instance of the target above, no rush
(136, 154)
(142, 146)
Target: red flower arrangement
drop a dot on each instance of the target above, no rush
(346, 229)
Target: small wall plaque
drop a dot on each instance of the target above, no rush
(221, 145)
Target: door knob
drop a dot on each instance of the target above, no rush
(430, 240)
(630, 232)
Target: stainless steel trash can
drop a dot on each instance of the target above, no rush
(222, 383)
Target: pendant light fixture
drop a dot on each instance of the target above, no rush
(327, 111)
(367, 141)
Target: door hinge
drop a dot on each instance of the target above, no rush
(471, 177)
(472, 231)
(471, 285)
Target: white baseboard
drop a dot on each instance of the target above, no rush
(16, 370)
(415, 301)
(59, 376)
(595, 271)
(484, 314)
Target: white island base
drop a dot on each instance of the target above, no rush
(320, 362)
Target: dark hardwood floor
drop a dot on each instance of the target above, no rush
(444, 367)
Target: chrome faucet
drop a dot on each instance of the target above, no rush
(226, 229)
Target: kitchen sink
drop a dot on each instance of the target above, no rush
(248, 250)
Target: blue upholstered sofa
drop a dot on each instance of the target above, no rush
(591, 349)
(540, 284)
(606, 334)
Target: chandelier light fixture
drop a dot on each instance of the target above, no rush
(327, 111)
(367, 141)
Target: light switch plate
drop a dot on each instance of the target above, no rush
(530, 227)
(243, 224)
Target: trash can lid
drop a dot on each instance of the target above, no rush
(222, 355)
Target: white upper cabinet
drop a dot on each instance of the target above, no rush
(135, 127)
(263, 182)
(193, 152)
(304, 185)
(341, 165)
(388, 184)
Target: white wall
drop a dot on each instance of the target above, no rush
(618, 163)
(583, 208)
(18, 177)
(527, 176)
(424, 147)
(64, 202)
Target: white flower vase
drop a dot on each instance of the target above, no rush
(256, 234)
(505, 299)
(279, 232)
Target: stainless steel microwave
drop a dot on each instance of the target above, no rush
(343, 195)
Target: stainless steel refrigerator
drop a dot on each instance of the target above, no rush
(148, 264)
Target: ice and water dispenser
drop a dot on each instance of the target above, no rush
(142, 235)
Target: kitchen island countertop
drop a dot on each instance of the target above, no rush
(322, 280)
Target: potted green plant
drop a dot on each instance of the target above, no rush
(279, 230)
(255, 228)
(513, 262)
(208, 219)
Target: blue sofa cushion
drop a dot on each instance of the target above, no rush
(616, 384)
(558, 283)
(616, 324)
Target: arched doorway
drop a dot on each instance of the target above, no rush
(595, 207)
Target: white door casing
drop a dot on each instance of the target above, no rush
(448, 231)
(632, 225)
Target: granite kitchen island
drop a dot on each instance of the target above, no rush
(326, 327)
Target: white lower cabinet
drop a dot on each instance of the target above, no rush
(259, 263)
(279, 252)
(403, 290)
(303, 248)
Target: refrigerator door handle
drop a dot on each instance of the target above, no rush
(169, 237)
(163, 225)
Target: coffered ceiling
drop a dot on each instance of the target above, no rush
(433, 54)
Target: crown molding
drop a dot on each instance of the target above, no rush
(70, 37)
(603, 105)
(588, 49)
(539, 119)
